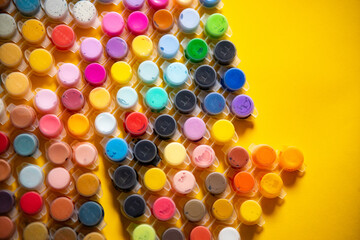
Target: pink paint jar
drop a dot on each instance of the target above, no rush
(58, 179)
(68, 75)
(46, 101)
(112, 24)
(91, 49)
(95, 74)
(203, 156)
(158, 4)
(194, 129)
(138, 23)
(73, 100)
(50, 126)
(184, 182)
(85, 154)
(164, 208)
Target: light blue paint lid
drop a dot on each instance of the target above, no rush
(168, 46)
(189, 20)
(31, 177)
(148, 72)
(127, 97)
(116, 149)
(26, 144)
(176, 74)
(156, 98)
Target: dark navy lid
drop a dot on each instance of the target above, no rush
(91, 214)
(185, 101)
(205, 77)
(233, 79)
(125, 178)
(214, 103)
(134, 206)
(7, 201)
(224, 52)
(145, 151)
(165, 126)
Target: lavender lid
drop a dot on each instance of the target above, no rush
(194, 128)
(91, 49)
(117, 48)
(133, 4)
(242, 106)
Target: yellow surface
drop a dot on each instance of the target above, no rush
(250, 212)
(222, 209)
(142, 47)
(41, 61)
(154, 179)
(87, 184)
(10, 55)
(100, 98)
(78, 125)
(33, 31)
(271, 185)
(174, 153)
(222, 131)
(121, 72)
(17, 84)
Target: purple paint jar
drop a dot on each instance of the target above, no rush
(194, 129)
(242, 106)
(95, 74)
(134, 5)
(91, 49)
(117, 48)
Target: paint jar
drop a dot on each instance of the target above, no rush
(205, 77)
(5, 149)
(59, 153)
(31, 177)
(62, 209)
(112, 24)
(189, 21)
(11, 56)
(238, 157)
(23, 117)
(200, 233)
(138, 23)
(175, 74)
(117, 48)
(183, 182)
(185, 101)
(229, 233)
(9, 229)
(91, 49)
(85, 155)
(57, 10)
(216, 25)
(195, 211)
(94, 235)
(7, 202)
(223, 210)
(17, 85)
(37, 229)
(8, 30)
(87, 184)
(63, 233)
(168, 47)
(173, 234)
(174, 154)
(143, 48)
(106, 125)
(63, 37)
(29, 8)
(194, 128)
(158, 4)
(163, 20)
(3, 116)
(291, 159)
(95, 74)
(91, 214)
(263, 156)
(222, 131)
(165, 127)
(203, 157)
(85, 14)
(148, 72)
(250, 213)
(214, 104)
(51, 127)
(122, 73)
(155, 180)
(133, 5)
(271, 186)
(142, 231)
(146, 152)
(225, 52)
(217, 184)
(244, 184)
(78, 125)
(32, 204)
(133, 206)
(196, 50)
(164, 209)
(46, 101)
(33, 32)
(27, 145)
(100, 99)
(232, 79)
(242, 106)
(117, 150)
(156, 98)
(59, 180)
(136, 124)
(125, 184)
(69, 75)
(6, 172)
(73, 100)
(127, 98)
(41, 62)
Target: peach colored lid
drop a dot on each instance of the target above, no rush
(58, 178)
(5, 170)
(85, 154)
(59, 152)
(61, 209)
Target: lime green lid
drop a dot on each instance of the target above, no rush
(144, 232)
(156, 98)
(216, 25)
(196, 50)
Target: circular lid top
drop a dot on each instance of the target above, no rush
(222, 209)
(7, 201)
(142, 47)
(163, 20)
(244, 182)
(134, 206)
(229, 233)
(214, 103)
(121, 72)
(148, 72)
(233, 80)
(164, 208)
(165, 126)
(263, 156)
(8, 227)
(37, 229)
(61, 209)
(117, 48)
(94, 236)
(31, 203)
(17, 84)
(175, 154)
(84, 13)
(46, 101)
(56, 9)
(58, 178)
(125, 178)
(209, 3)
(238, 157)
(194, 128)
(184, 182)
(127, 97)
(138, 23)
(145, 151)
(185, 101)
(200, 233)
(31, 177)
(65, 233)
(176, 74)
(116, 149)
(41, 60)
(173, 234)
(78, 125)
(91, 49)
(105, 124)
(144, 232)
(91, 214)
(85, 154)
(154, 179)
(136, 123)
(4, 143)
(26, 144)
(73, 100)
(194, 210)
(100, 98)
(222, 131)
(205, 77)
(216, 183)
(203, 156)
(242, 106)
(250, 212)
(189, 20)
(196, 50)
(22, 116)
(5, 170)
(50, 126)
(87, 184)
(168, 46)
(28, 8)
(68, 75)
(7, 26)
(112, 24)
(291, 159)
(134, 5)
(271, 185)
(216, 25)
(158, 4)
(224, 52)
(10, 55)
(184, 3)
(156, 98)
(59, 152)
(95, 74)
(62, 35)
